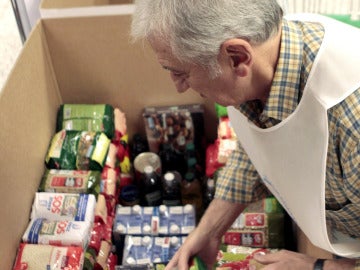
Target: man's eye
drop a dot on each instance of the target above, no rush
(177, 74)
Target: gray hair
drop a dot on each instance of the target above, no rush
(195, 29)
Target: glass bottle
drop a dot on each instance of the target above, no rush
(150, 187)
(171, 183)
(191, 193)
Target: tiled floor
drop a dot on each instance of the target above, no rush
(10, 41)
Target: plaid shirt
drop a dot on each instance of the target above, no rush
(239, 180)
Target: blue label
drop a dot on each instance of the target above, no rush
(81, 207)
(33, 236)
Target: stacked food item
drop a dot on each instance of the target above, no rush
(106, 203)
(72, 214)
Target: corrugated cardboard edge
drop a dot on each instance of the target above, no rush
(87, 11)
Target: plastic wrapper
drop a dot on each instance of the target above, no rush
(111, 157)
(63, 206)
(63, 233)
(89, 117)
(70, 181)
(77, 150)
(109, 180)
(261, 224)
(241, 259)
(103, 255)
(120, 124)
(35, 257)
(101, 212)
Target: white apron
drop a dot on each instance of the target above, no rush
(291, 156)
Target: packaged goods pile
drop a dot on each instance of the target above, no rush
(72, 213)
(103, 202)
(96, 205)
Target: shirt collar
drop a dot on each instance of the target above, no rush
(284, 93)
(285, 90)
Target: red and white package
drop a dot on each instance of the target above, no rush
(35, 257)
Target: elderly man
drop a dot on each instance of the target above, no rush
(292, 87)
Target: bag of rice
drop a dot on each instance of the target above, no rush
(63, 206)
(36, 257)
(60, 233)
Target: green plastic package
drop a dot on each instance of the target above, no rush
(77, 150)
(70, 181)
(89, 117)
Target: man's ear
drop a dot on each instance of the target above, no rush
(239, 54)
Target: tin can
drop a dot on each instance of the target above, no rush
(144, 159)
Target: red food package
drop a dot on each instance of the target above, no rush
(97, 234)
(33, 256)
(212, 164)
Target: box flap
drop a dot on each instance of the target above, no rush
(84, 8)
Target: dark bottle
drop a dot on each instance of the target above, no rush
(139, 146)
(172, 160)
(209, 192)
(150, 187)
(191, 193)
(171, 183)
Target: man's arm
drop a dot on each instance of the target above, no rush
(204, 241)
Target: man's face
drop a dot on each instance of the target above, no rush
(226, 89)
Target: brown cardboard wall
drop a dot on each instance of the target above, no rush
(73, 60)
(94, 62)
(27, 115)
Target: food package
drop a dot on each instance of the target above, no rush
(261, 224)
(62, 233)
(239, 258)
(77, 150)
(171, 129)
(70, 181)
(63, 206)
(87, 117)
(35, 257)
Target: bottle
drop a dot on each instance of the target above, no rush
(191, 193)
(171, 183)
(150, 187)
(209, 192)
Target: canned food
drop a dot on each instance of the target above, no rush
(144, 159)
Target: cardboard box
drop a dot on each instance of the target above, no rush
(72, 60)
(78, 59)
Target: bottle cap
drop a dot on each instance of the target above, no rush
(188, 208)
(191, 162)
(174, 228)
(146, 241)
(174, 241)
(148, 169)
(189, 176)
(130, 260)
(190, 147)
(136, 209)
(210, 182)
(169, 176)
(120, 228)
(157, 260)
(162, 209)
(146, 229)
